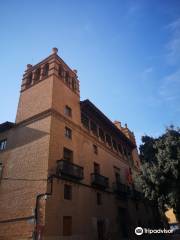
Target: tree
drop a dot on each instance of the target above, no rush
(160, 175)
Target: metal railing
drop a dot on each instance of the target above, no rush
(136, 194)
(99, 180)
(121, 189)
(66, 168)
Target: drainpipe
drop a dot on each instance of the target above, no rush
(38, 197)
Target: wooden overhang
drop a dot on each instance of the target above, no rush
(6, 126)
(89, 109)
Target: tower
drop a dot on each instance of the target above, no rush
(47, 86)
(49, 96)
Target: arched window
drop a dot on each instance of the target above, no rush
(46, 70)
(61, 71)
(29, 79)
(67, 79)
(120, 148)
(37, 74)
(73, 84)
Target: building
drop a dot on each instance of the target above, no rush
(171, 216)
(66, 169)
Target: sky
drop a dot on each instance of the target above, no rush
(127, 54)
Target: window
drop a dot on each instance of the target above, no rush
(117, 176)
(67, 226)
(101, 134)
(68, 111)
(61, 71)
(101, 229)
(67, 78)
(67, 192)
(29, 79)
(37, 74)
(73, 84)
(125, 151)
(114, 145)
(94, 128)
(68, 155)
(120, 148)
(123, 222)
(96, 168)
(85, 121)
(68, 133)
(99, 198)
(129, 155)
(46, 70)
(3, 144)
(108, 140)
(95, 148)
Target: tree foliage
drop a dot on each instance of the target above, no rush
(160, 175)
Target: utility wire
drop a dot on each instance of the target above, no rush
(24, 179)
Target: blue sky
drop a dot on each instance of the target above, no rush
(127, 54)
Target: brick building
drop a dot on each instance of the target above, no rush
(66, 170)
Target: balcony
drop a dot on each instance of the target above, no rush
(68, 170)
(99, 180)
(120, 189)
(136, 195)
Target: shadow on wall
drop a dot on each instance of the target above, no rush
(21, 136)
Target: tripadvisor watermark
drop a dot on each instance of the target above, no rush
(140, 231)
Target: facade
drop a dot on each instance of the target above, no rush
(172, 220)
(66, 170)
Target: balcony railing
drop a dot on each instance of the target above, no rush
(136, 194)
(121, 189)
(66, 169)
(99, 180)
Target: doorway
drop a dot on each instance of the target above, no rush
(101, 229)
(123, 222)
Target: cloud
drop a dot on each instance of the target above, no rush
(168, 92)
(88, 27)
(134, 10)
(170, 87)
(173, 46)
(148, 70)
(174, 26)
(146, 73)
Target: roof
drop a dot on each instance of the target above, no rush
(88, 104)
(6, 126)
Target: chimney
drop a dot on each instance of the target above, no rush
(54, 50)
(75, 71)
(29, 66)
(117, 124)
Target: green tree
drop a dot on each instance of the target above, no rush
(160, 175)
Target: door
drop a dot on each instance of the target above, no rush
(123, 222)
(101, 229)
